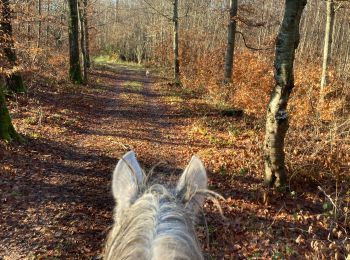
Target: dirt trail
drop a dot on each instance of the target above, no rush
(55, 199)
(55, 196)
(141, 118)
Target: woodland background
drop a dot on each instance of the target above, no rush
(141, 31)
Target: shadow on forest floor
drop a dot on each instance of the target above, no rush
(55, 188)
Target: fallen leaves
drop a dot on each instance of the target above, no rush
(55, 193)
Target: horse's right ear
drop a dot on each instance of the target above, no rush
(192, 183)
(127, 177)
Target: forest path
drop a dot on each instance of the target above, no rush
(55, 189)
(56, 199)
(145, 118)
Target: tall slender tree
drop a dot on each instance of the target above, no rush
(277, 117)
(48, 24)
(29, 28)
(176, 41)
(116, 11)
(86, 34)
(327, 49)
(14, 79)
(231, 35)
(73, 32)
(82, 17)
(39, 23)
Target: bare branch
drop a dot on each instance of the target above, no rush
(157, 11)
(250, 47)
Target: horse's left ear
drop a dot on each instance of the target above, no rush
(127, 178)
(192, 183)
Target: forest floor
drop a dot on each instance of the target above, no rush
(55, 197)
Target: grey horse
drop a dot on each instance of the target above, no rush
(153, 222)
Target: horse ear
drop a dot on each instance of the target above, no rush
(193, 179)
(127, 177)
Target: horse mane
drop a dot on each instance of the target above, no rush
(155, 226)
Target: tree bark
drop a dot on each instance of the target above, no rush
(39, 25)
(231, 32)
(277, 118)
(7, 131)
(176, 42)
(116, 11)
(328, 38)
(82, 17)
(14, 80)
(48, 23)
(86, 30)
(28, 23)
(73, 32)
(59, 36)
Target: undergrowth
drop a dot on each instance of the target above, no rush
(317, 144)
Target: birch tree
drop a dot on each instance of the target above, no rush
(328, 38)
(277, 118)
(83, 39)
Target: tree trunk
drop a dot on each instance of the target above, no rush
(327, 47)
(229, 59)
(48, 23)
(277, 117)
(176, 43)
(116, 11)
(14, 80)
(73, 32)
(7, 131)
(86, 34)
(39, 25)
(59, 40)
(82, 17)
(28, 23)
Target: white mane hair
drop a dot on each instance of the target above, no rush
(154, 222)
